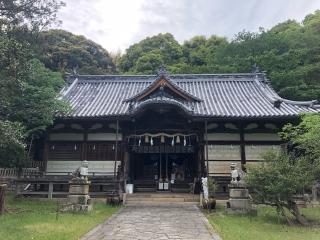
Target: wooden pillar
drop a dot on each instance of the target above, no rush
(84, 155)
(50, 190)
(2, 200)
(242, 146)
(126, 166)
(116, 152)
(45, 155)
(200, 159)
(207, 154)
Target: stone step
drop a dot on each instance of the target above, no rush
(161, 195)
(161, 198)
(145, 189)
(157, 204)
(180, 190)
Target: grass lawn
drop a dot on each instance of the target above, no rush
(265, 226)
(34, 219)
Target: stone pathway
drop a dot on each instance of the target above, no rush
(155, 221)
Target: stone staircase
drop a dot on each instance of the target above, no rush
(160, 198)
(144, 186)
(181, 187)
(147, 186)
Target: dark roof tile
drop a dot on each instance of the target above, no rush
(222, 95)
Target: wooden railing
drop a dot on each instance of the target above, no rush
(52, 186)
(37, 164)
(14, 172)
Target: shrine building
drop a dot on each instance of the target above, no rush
(164, 132)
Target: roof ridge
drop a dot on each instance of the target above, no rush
(171, 75)
(173, 78)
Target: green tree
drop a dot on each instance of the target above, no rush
(28, 91)
(37, 14)
(305, 136)
(12, 150)
(279, 179)
(291, 173)
(37, 100)
(162, 44)
(148, 63)
(65, 52)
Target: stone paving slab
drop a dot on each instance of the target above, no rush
(156, 222)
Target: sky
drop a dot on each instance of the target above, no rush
(117, 24)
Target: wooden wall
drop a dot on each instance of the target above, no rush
(68, 145)
(236, 142)
(220, 157)
(240, 144)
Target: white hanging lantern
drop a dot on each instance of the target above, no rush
(178, 139)
(94, 147)
(151, 142)
(139, 143)
(75, 147)
(172, 142)
(162, 139)
(146, 138)
(184, 141)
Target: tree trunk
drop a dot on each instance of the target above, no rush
(2, 193)
(293, 208)
(283, 213)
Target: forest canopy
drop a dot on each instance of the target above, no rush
(63, 51)
(289, 53)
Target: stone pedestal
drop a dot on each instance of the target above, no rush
(239, 201)
(78, 198)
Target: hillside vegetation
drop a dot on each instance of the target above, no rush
(289, 53)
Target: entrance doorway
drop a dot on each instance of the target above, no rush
(163, 171)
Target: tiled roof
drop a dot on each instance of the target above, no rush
(221, 95)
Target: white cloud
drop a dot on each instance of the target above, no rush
(116, 24)
(111, 23)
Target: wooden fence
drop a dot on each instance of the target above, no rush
(37, 164)
(14, 172)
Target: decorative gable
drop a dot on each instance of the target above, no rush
(163, 87)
